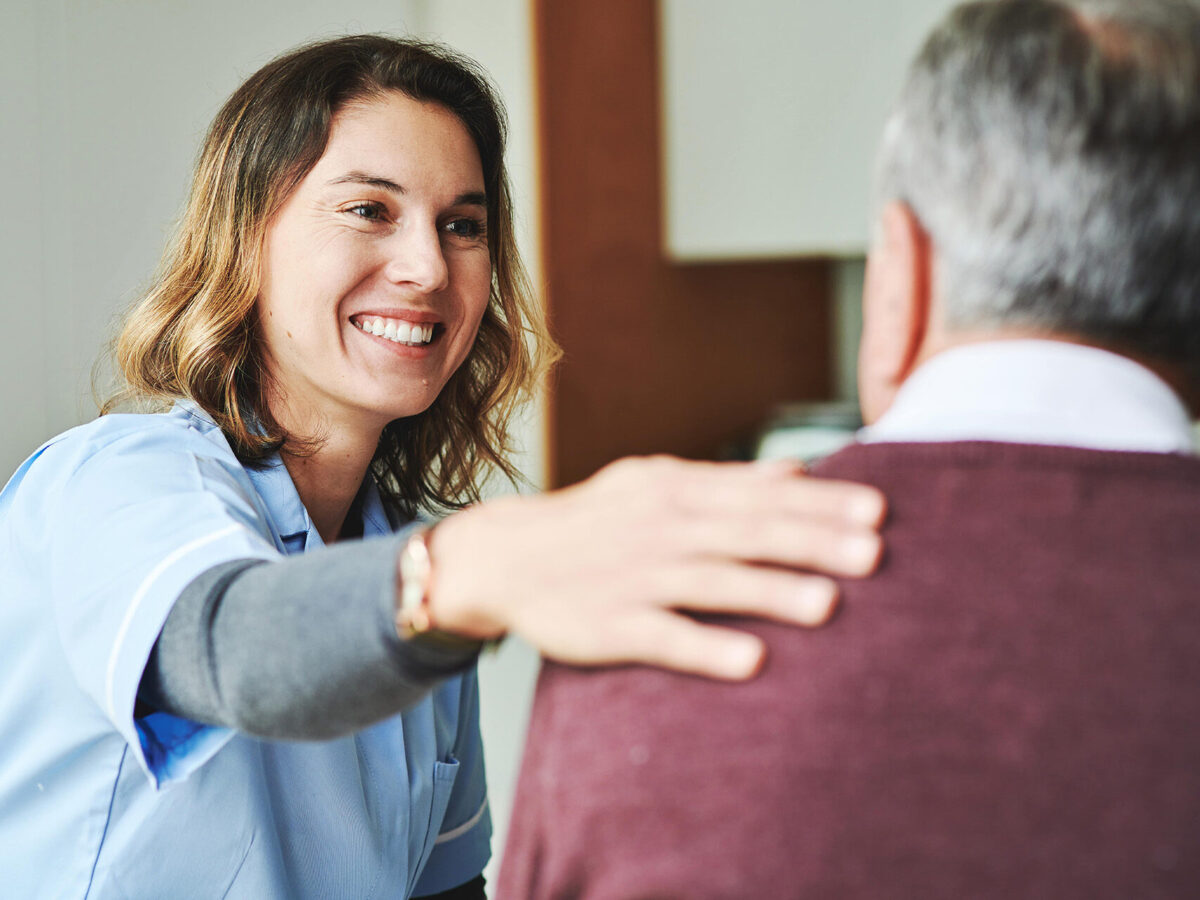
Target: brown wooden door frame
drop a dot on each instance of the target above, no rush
(659, 357)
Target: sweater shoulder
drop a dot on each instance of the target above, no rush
(884, 463)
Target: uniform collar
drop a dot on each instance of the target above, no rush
(290, 521)
(294, 526)
(1037, 392)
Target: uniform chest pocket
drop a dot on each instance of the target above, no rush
(444, 776)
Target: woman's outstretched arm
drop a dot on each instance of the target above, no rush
(303, 648)
(599, 573)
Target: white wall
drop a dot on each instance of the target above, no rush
(772, 113)
(103, 109)
(22, 218)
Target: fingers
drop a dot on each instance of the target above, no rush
(824, 498)
(711, 586)
(671, 641)
(779, 539)
(651, 634)
(751, 512)
(731, 488)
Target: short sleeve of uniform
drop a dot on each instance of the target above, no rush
(132, 514)
(463, 844)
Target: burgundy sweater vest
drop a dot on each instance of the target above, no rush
(1010, 708)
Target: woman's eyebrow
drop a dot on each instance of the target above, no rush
(373, 180)
(472, 198)
(469, 198)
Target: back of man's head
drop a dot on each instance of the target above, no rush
(1050, 149)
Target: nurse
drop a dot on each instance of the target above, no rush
(235, 662)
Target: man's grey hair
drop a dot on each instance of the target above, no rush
(1052, 152)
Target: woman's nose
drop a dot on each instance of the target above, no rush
(416, 258)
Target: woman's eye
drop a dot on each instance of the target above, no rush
(372, 212)
(472, 229)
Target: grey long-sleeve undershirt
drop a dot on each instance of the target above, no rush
(302, 648)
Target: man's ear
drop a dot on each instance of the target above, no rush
(896, 307)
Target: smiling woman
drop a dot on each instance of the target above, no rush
(388, 228)
(336, 342)
(286, 170)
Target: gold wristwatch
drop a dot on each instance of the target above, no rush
(413, 619)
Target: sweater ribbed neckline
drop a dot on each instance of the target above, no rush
(987, 454)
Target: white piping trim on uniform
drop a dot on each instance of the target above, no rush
(464, 827)
(139, 596)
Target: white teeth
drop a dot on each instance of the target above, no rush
(396, 330)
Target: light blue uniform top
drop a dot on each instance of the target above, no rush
(99, 532)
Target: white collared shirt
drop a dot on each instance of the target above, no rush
(1037, 392)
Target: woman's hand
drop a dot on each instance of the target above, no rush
(594, 573)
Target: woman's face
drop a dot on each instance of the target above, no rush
(376, 270)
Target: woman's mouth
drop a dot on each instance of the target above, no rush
(398, 331)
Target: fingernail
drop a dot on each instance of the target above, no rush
(860, 552)
(867, 507)
(816, 601)
(742, 657)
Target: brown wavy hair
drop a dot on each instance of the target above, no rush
(194, 335)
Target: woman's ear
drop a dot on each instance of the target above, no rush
(896, 307)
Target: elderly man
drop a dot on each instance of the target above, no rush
(1012, 707)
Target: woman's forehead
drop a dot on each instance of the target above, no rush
(402, 140)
